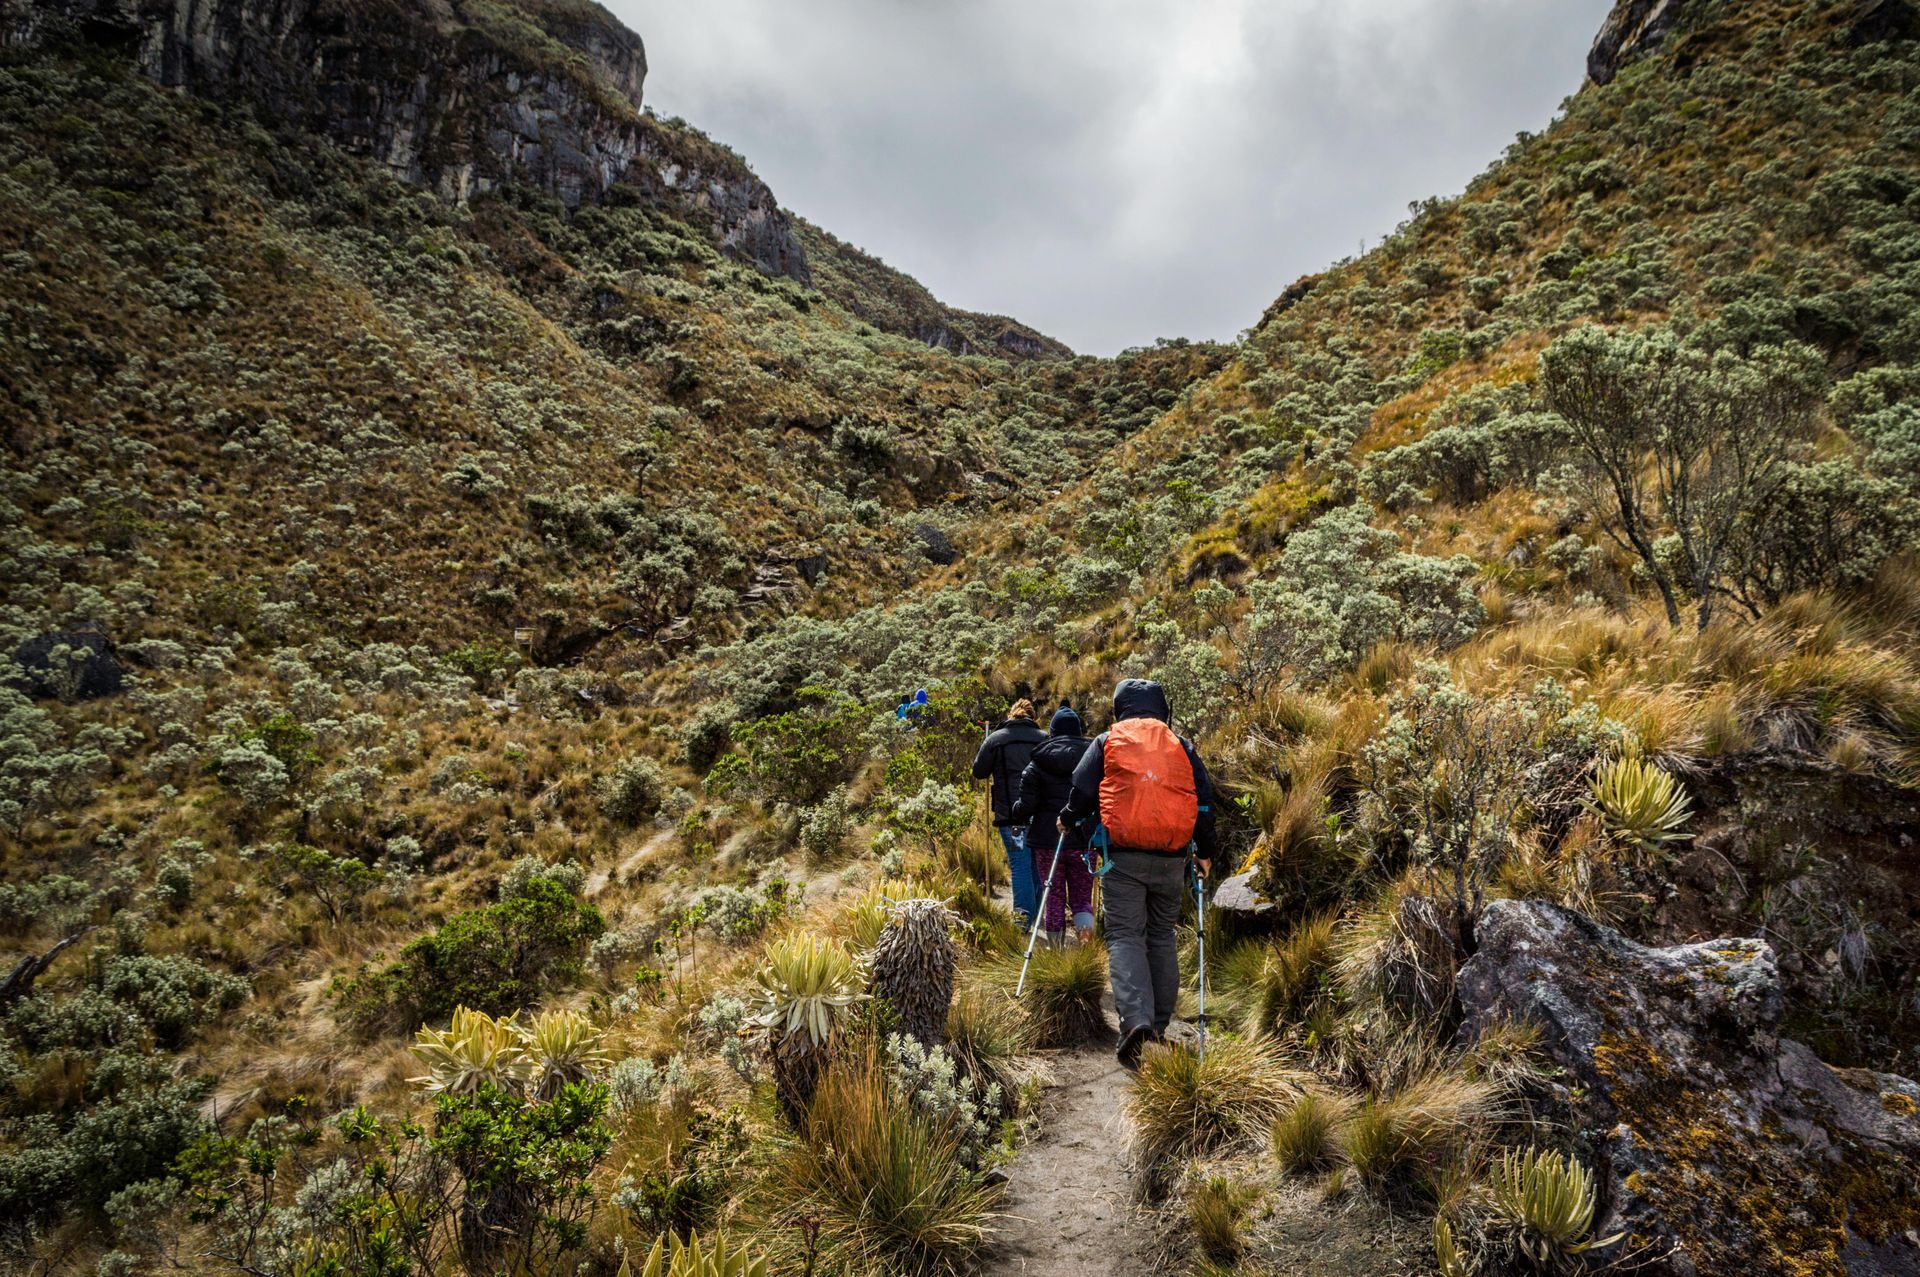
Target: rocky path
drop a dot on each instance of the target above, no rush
(1070, 1194)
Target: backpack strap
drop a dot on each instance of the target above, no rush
(1098, 855)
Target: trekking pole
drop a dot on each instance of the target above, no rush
(1200, 933)
(1039, 914)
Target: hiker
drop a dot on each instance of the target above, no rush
(1150, 792)
(1044, 787)
(909, 713)
(1003, 756)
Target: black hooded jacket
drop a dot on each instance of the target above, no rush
(1003, 756)
(1138, 698)
(1048, 781)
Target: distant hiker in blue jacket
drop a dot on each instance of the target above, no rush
(912, 712)
(1002, 757)
(1044, 788)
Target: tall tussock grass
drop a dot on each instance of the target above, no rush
(1183, 1104)
(887, 1184)
(987, 1034)
(1063, 993)
(1286, 976)
(1394, 1140)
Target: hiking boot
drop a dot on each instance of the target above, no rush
(1056, 939)
(1132, 1042)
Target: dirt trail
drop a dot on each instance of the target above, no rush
(1070, 1194)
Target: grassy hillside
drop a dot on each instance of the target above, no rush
(511, 605)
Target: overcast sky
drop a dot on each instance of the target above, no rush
(1111, 171)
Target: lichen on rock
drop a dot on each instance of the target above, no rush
(1722, 1147)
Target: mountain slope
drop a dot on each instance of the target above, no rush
(462, 549)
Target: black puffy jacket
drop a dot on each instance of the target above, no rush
(1003, 756)
(1045, 787)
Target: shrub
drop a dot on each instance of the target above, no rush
(928, 1078)
(633, 790)
(498, 958)
(737, 914)
(1673, 434)
(337, 883)
(524, 1169)
(824, 826)
(707, 735)
(936, 814)
(1184, 1105)
(1342, 586)
(798, 757)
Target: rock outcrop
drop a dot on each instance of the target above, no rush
(73, 665)
(1633, 28)
(1721, 1147)
(456, 97)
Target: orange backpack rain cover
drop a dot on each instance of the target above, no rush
(1147, 799)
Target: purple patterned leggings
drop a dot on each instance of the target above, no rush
(1072, 885)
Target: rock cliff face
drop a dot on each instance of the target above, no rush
(1722, 1147)
(1634, 27)
(459, 96)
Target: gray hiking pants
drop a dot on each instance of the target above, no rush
(1143, 897)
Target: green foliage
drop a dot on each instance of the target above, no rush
(1550, 1198)
(1641, 804)
(797, 757)
(337, 883)
(1340, 587)
(633, 790)
(1684, 438)
(524, 1167)
(498, 958)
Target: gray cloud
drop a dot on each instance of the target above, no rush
(1116, 171)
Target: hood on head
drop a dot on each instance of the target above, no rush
(1064, 722)
(920, 697)
(1140, 698)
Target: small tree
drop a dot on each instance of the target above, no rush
(337, 882)
(1672, 435)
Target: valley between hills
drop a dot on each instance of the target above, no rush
(463, 542)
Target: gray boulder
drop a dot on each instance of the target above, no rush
(935, 544)
(1721, 1147)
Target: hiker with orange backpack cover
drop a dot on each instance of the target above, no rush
(1150, 793)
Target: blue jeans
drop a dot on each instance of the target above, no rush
(1020, 869)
